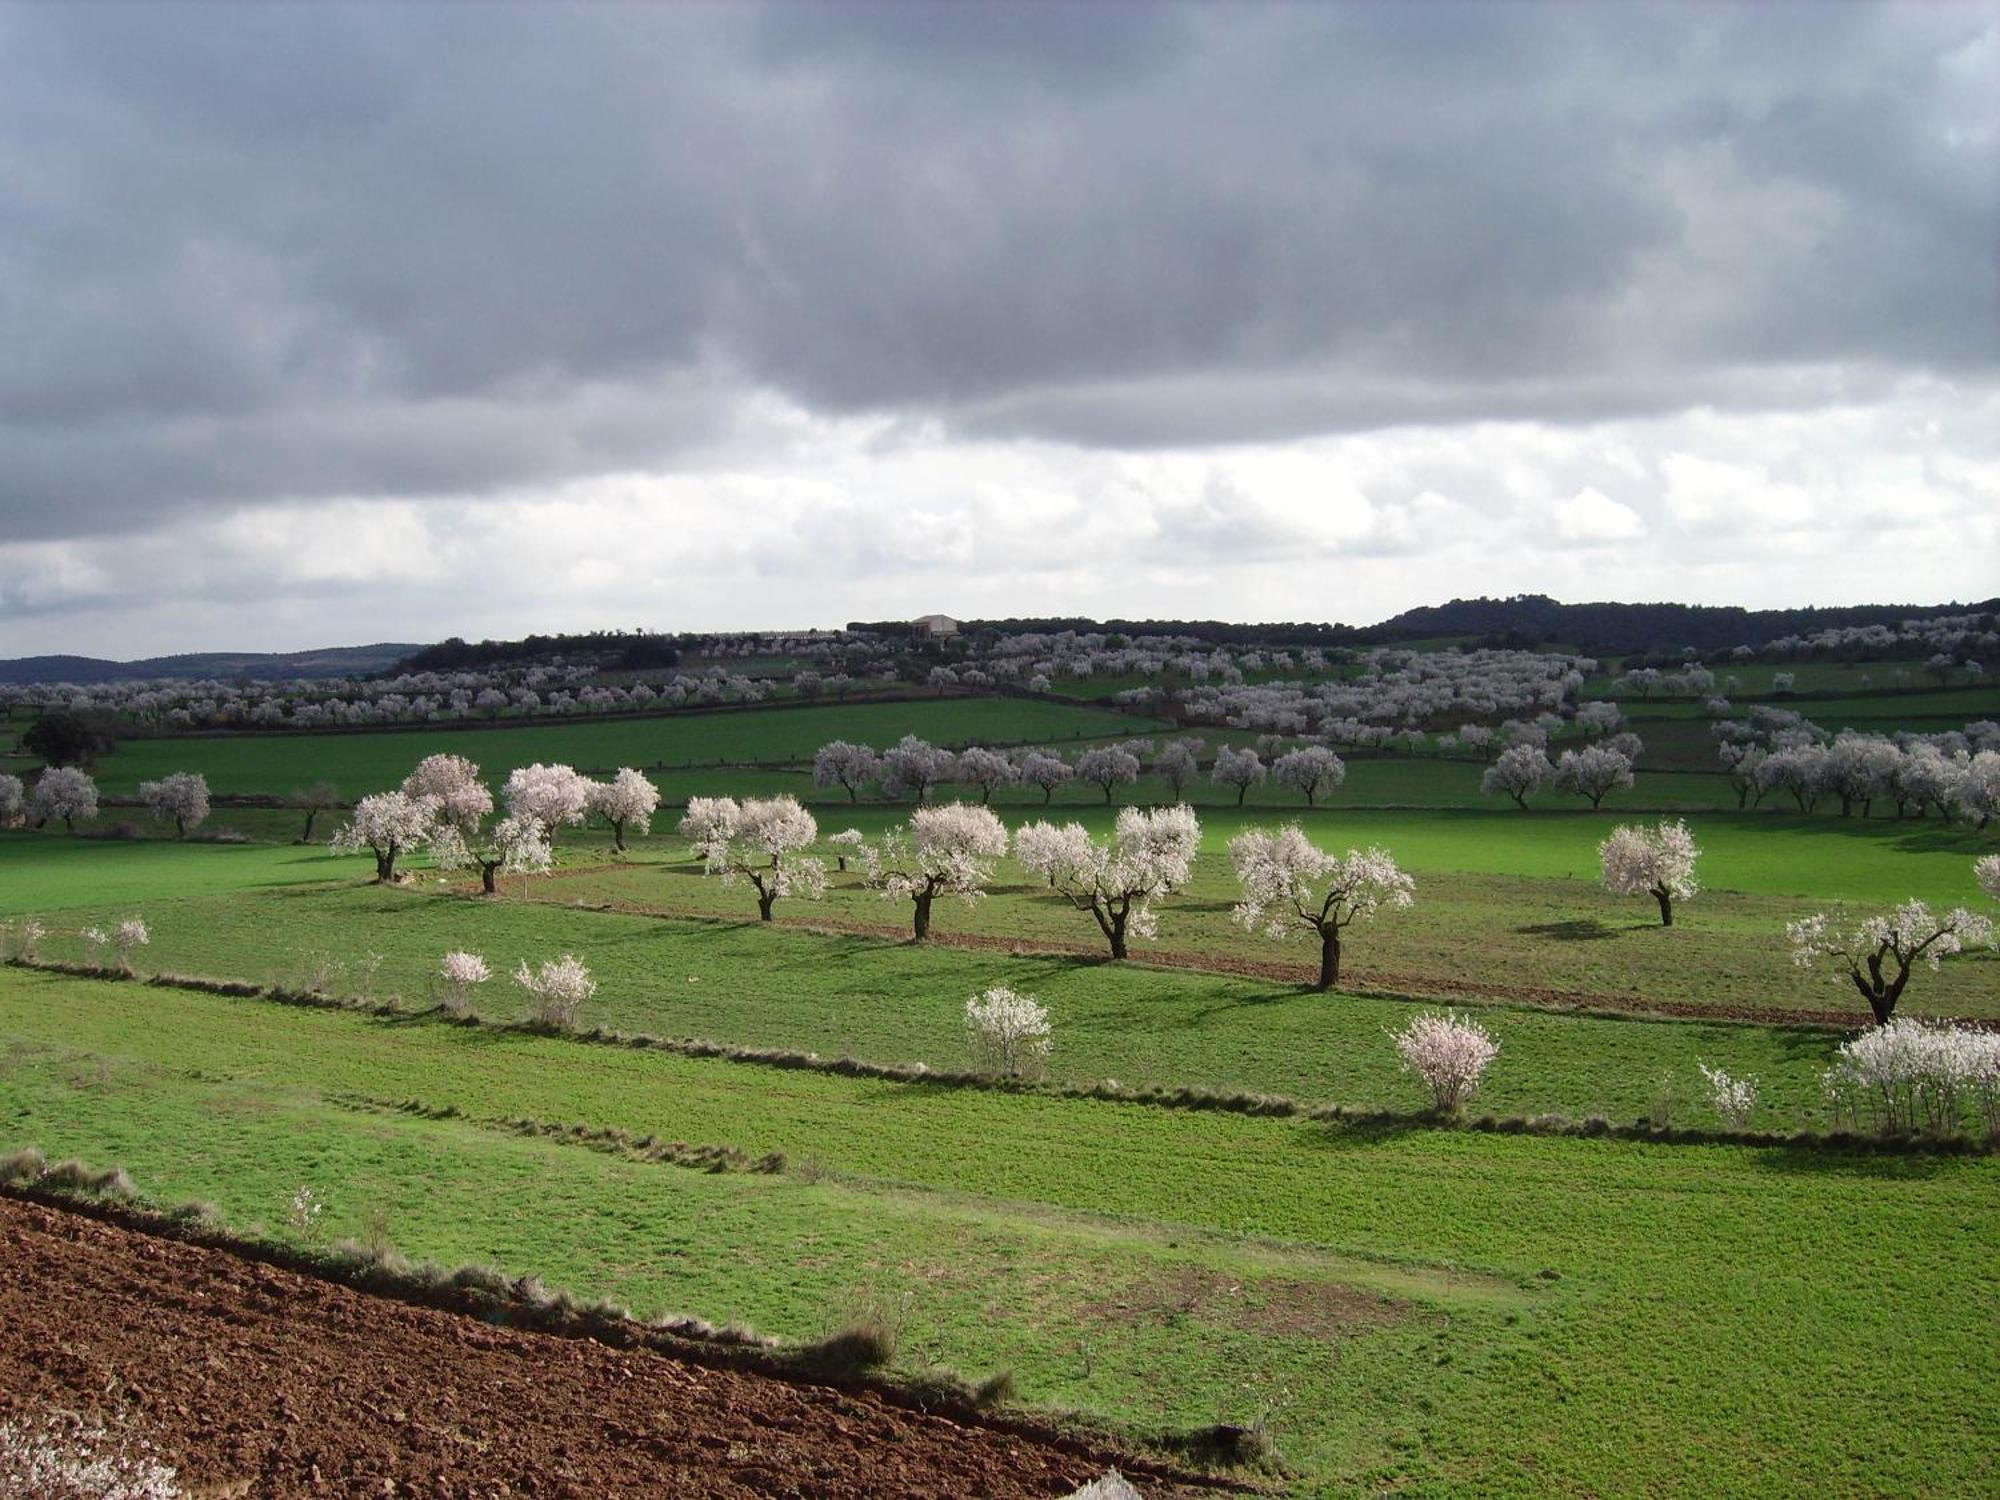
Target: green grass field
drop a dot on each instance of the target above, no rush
(1425, 1311)
(361, 763)
(1717, 1319)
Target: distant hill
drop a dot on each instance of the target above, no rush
(334, 661)
(1628, 629)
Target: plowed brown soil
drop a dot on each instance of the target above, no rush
(256, 1381)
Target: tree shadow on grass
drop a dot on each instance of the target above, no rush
(1360, 1135)
(1858, 1162)
(1577, 930)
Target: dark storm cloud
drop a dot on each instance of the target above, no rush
(252, 253)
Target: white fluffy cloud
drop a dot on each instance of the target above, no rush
(839, 519)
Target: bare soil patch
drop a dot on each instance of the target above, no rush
(254, 1380)
(1280, 1307)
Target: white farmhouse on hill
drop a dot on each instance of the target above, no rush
(934, 625)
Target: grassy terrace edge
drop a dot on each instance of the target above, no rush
(1173, 1097)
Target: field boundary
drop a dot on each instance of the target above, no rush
(1182, 1097)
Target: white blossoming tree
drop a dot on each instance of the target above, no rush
(389, 825)
(1107, 767)
(1657, 862)
(1045, 769)
(1010, 1033)
(1238, 768)
(849, 767)
(63, 792)
(549, 795)
(513, 845)
(1592, 773)
(915, 765)
(13, 800)
(1987, 873)
(1290, 885)
(760, 840)
(1312, 771)
(1518, 773)
(452, 786)
(1178, 765)
(180, 798)
(947, 850)
(627, 800)
(1149, 856)
(1879, 954)
(988, 770)
(1448, 1054)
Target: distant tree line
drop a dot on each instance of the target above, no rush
(631, 650)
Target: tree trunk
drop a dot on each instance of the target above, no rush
(489, 885)
(385, 867)
(1242, 792)
(1666, 901)
(1047, 792)
(765, 900)
(618, 834)
(1329, 959)
(1117, 935)
(922, 923)
(312, 816)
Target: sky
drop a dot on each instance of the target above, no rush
(326, 324)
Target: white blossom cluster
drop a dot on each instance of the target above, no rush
(1912, 1075)
(1448, 1054)
(1010, 1033)
(556, 988)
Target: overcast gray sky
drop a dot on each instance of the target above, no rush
(326, 324)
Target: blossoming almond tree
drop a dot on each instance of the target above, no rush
(513, 845)
(1107, 767)
(551, 795)
(1045, 769)
(947, 851)
(1312, 771)
(63, 792)
(1150, 855)
(1010, 1032)
(388, 824)
(1238, 768)
(627, 800)
(181, 798)
(13, 800)
(557, 988)
(452, 785)
(1290, 884)
(988, 770)
(1880, 953)
(1518, 773)
(759, 840)
(1987, 873)
(1657, 862)
(1448, 1054)
(1592, 772)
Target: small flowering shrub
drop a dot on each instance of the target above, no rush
(1733, 1099)
(1010, 1033)
(1914, 1075)
(1448, 1055)
(64, 1456)
(459, 974)
(25, 940)
(95, 941)
(558, 989)
(129, 937)
(302, 1211)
